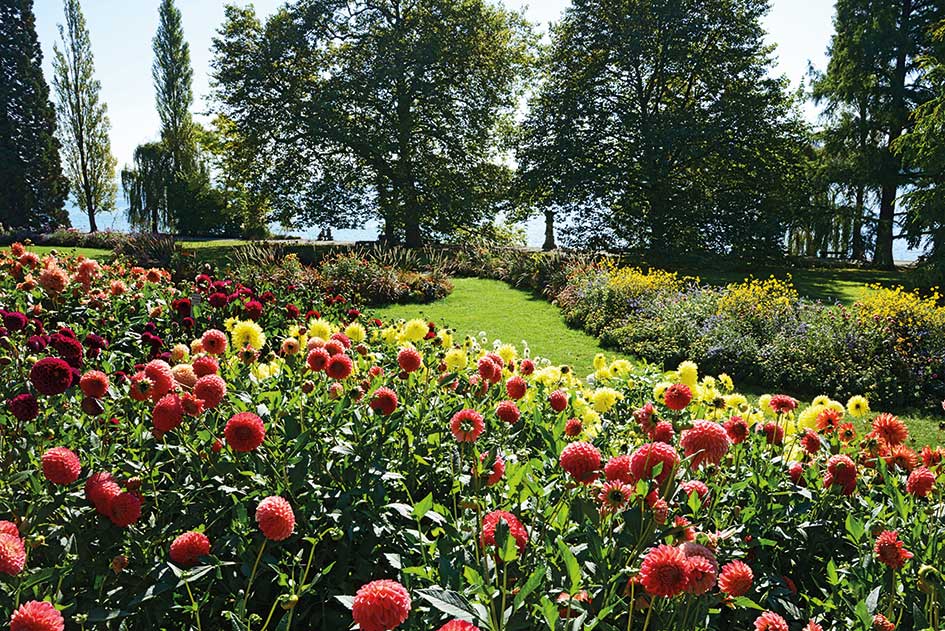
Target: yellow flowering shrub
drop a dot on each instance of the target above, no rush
(757, 297)
(904, 309)
(633, 282)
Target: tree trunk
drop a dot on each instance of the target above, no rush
(859, 247)
(549, 231)
(883, 257)
(92, 226)
(412, 237)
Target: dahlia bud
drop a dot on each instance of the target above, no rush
(361, 349)
(357, 393)
(5, 361)
(119, 563)
(308, 387)
(36, 541)
(92, 407)
(335, 390)
(336, 534)
(133, 484)
(288, 602)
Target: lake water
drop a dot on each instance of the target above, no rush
(534, 231)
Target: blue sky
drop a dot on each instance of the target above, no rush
(121, 34)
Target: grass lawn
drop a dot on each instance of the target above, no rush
(843, 285)
(92, 253)
(510, 315)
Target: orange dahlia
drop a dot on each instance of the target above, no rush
(705, 442)
(736, 578)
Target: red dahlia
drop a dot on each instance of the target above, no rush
(100, 490)
(882, 623)
(890, 551)
(125, 509)
(652, 456)
(210, 389)
(508, 412)
(381, 606)
(12, 554)
(810, 442)
(8, 528)
(662, 432)
(187, 548)
(582, 461)
(677, 396)
(618, 469)
(516, 387)
(558, 400)
(409, 359)
(706, 442)
(51, 376)
(161, 376)
(841, 471)
(736, 578)
(384, 401)
(488, 370)
(339, 366)
(573, 427)
(37, 615)
(665, 571)
(737, 430)
(812, 626)
(920, 482)
(244, 432)
(466, 425)
(516, 530)
(205, 365)
(61, 466)
(770, 621)
(458, 625)
(167, 414)
(24, 407)
(695, 486)
(214, 342)
(498, 469)
(94, 384)
(275, 518)
(782, 403)
(774, 433)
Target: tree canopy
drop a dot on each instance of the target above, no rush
(659, 126)
(391, 109)
(33, 187)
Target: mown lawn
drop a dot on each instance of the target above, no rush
(512, 315)
(92, 253)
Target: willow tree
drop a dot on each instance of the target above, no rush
(145, 187)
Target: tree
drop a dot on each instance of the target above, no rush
(33, 188)
(923, 151)
(874, 70)
(83, 119)
(145, 188)
(388, 108)
(657, 126)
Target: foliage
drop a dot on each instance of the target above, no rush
(374, 109)
(34, 187)
(397, 496)
(368, 281)
(704, 150)
(872, 85)
(889, 344)
(83, 118)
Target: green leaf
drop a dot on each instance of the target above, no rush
(449, 602)
(747, 603)
(832, 577)
(534, 580)
(422, 507)
(571, 565)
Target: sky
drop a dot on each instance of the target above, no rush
(122, 30)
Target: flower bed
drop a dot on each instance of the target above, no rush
(212, 455)
(889, 345)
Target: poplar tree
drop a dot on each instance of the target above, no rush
(83, 118)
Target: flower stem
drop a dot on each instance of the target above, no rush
(194, 604)
(249, 585)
